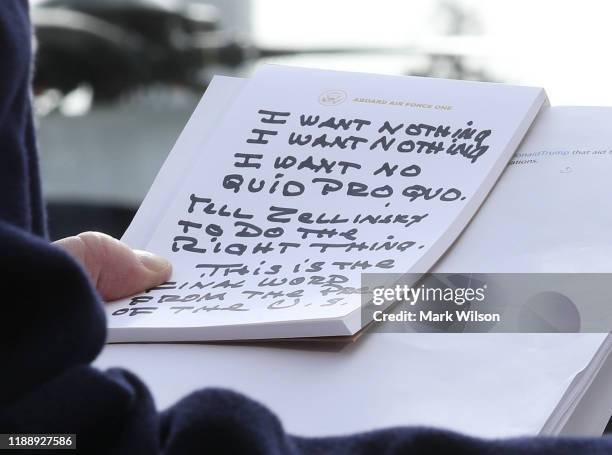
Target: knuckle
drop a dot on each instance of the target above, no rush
(95, 248)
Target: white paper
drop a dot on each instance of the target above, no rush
(491, 385)
(551, 215)
(296, 273)
(545, 215)
(488, 385)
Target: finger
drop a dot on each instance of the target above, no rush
(116, 270)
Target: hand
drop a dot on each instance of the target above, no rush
(115, 269)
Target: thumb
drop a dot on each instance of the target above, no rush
(116, 270)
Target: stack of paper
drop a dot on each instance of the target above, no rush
(272, 210)
(546, 214)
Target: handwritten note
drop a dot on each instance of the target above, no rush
(314, 177)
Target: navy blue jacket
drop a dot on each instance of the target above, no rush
(53, 327)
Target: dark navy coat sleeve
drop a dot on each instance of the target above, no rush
(52, 327)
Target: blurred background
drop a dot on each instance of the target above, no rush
(116, 81)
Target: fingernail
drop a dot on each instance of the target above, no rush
(151, 261)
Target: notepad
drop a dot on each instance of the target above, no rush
(272, 205)
(547, 208)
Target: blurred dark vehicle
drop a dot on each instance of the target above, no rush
(140, 41)
(147, 42)
(117, 47)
